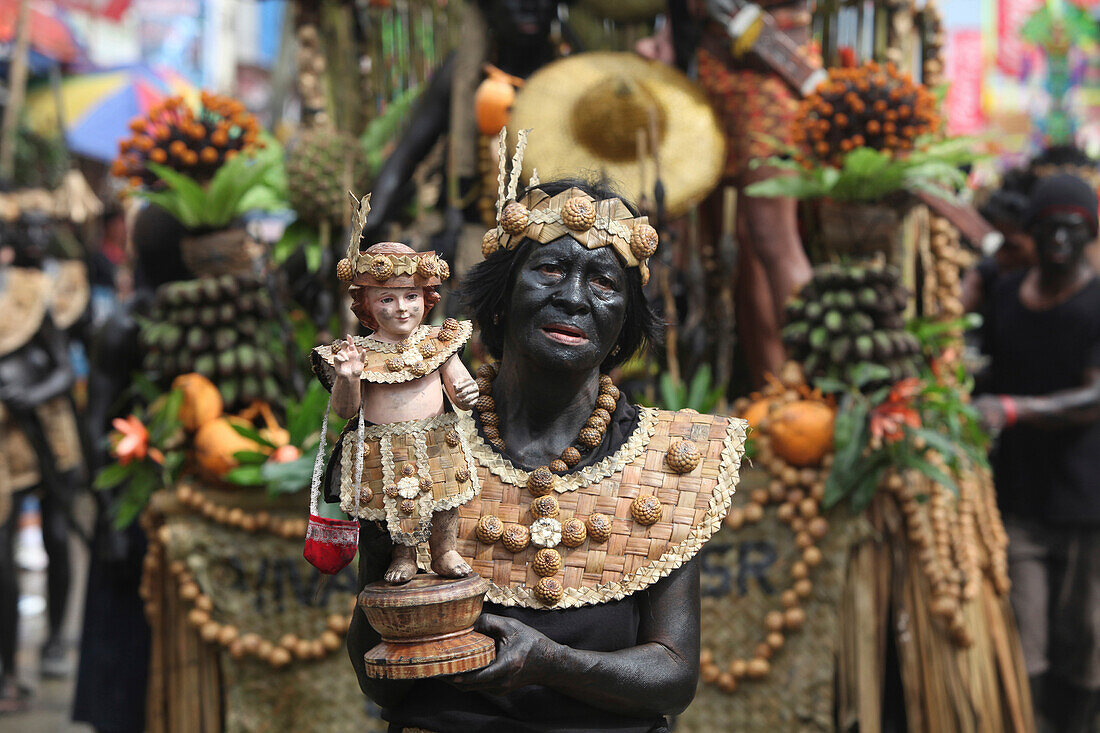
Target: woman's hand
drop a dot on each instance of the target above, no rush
(466, 393)
(522, 656)
(348, 359)
(991, 413)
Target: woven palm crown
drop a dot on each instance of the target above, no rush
(406, 268)
(543, 218)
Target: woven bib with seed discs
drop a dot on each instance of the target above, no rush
(598, 534)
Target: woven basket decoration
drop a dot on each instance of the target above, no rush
(635, 556)
(421, 444)
(375, 369)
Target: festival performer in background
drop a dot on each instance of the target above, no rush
(39, 441)
(1043, 340)
(1005, 210)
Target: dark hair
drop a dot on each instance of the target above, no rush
(156, 236)
(1063, 155)
(487, 288)
(1063, 192)
(1005, 209)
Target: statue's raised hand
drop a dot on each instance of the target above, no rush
(348, 358)
(466, 393)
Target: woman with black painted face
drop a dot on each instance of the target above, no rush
(1043, 339)
(559, 314)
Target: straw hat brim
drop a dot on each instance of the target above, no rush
(691, 150)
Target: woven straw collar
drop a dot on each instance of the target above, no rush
(375, 369)
(24, 301)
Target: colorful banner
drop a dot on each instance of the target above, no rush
(965, 71)
(109, 9)
(1011, 49)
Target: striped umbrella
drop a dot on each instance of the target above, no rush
(97, 108)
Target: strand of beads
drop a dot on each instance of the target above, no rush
(589, 436)
(229, 516)
(199, 609)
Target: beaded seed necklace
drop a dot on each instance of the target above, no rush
(590, 436)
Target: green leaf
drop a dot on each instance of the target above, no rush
(868, 482)
(699, 389)
(143, 481)
(866, 373)
(290, 477)
(112, 475)
(303, 418)
(261, 198)
(672, 393)
(297, 235)
(921, 464)
(864, 162)
(165, 421)
(250, 457)
(174, 205)
(245, 476)
(173, 462)
(190, 198)
(313, 258)
(252, 434)
(829, 385)
(849, 436)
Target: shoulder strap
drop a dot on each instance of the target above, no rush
(319, 461)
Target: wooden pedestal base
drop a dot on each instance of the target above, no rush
(426, 627)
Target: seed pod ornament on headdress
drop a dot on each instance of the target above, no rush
(544, 218)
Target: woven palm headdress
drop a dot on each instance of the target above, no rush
(407, 268)
(544, 217)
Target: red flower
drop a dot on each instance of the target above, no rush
(132, 441)
(904, 391)
(889, 419)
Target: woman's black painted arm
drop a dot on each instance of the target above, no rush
(374, 557)
(1054, 411)
(656, 677)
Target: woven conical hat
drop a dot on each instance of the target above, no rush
(585, 110)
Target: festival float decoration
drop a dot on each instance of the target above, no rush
(207, 168)
(896, 519)
(849, 317)
(623, 115)
(865, 147)
(228, 596)
(222, 618)
(909, 562)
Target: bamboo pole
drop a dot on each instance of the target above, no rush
(17, 87)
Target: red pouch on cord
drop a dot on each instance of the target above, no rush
(331, 543)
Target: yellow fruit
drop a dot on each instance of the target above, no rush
(202, 402)
(217, 441)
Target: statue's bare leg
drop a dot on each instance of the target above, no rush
(445, 558)
(402, 566)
